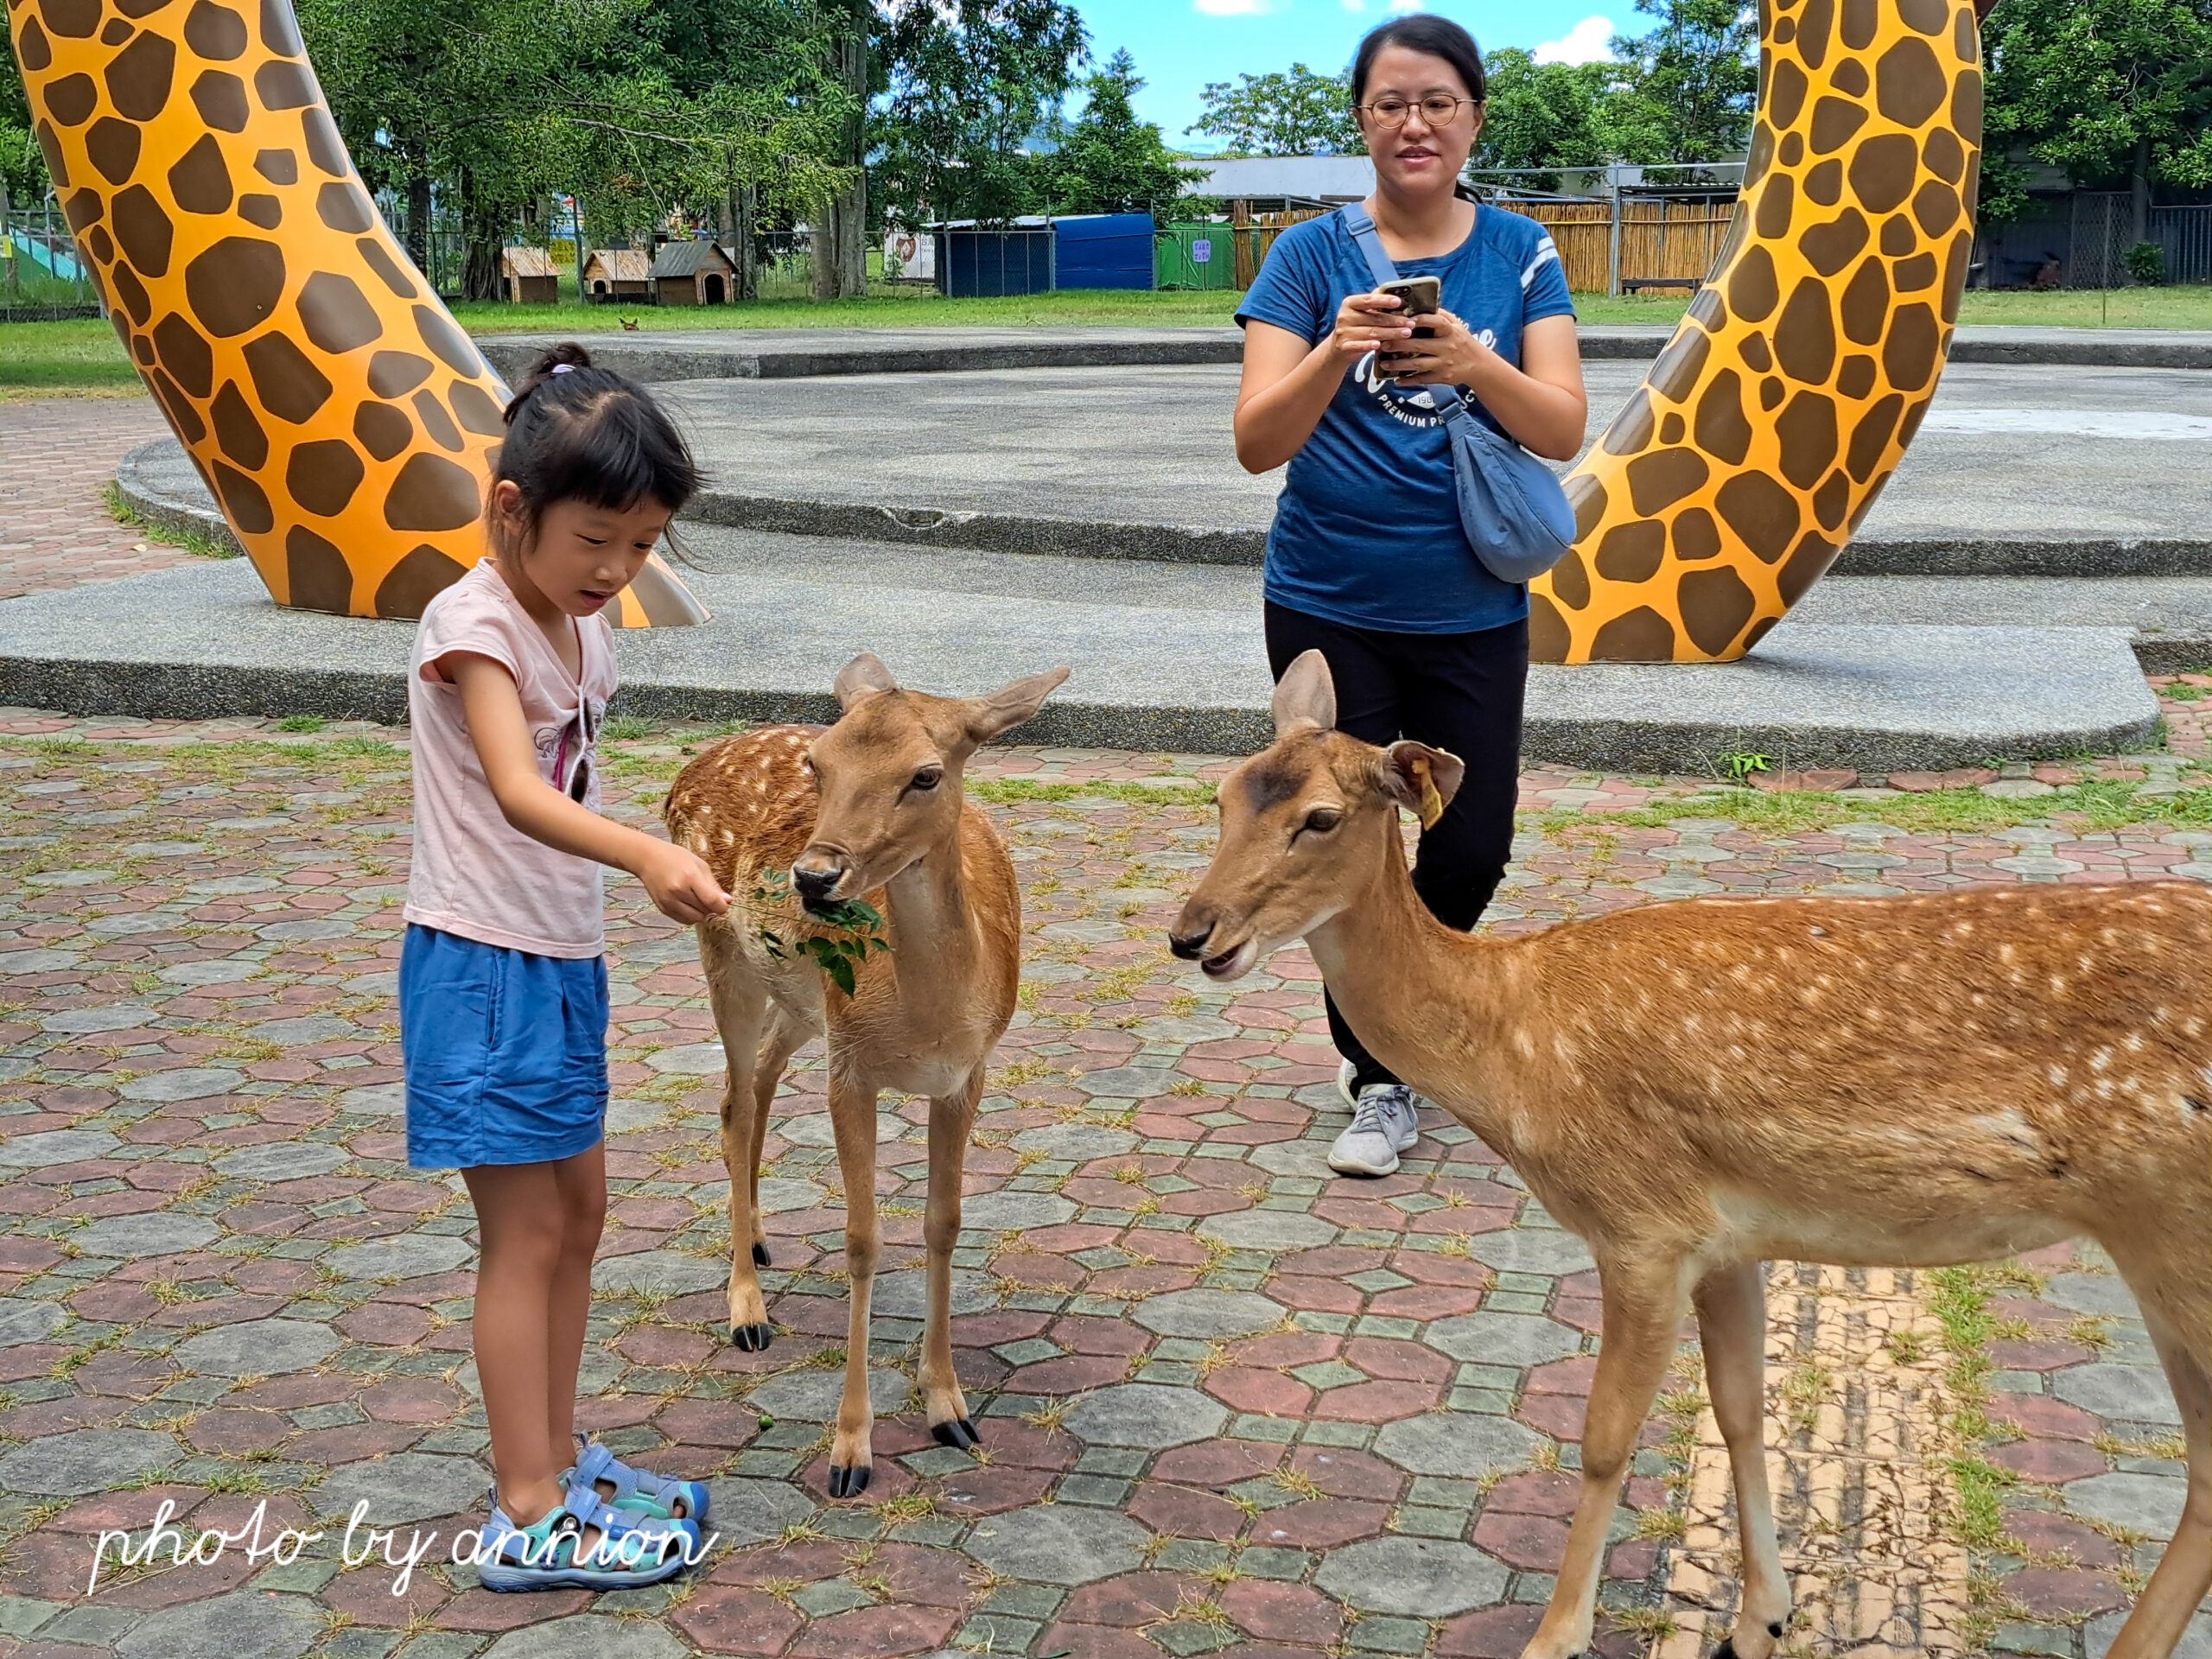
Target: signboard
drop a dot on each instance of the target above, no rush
(1202, 252)
(909, 255)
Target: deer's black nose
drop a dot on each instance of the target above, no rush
(1190, 946)
(815, 886)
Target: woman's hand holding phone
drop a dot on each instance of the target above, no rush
(1444, 354)
(1369, 322)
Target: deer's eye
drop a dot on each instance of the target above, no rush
(927, 778)
(1321, 820)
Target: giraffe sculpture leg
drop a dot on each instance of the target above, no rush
(1740, 469)
(333, 405)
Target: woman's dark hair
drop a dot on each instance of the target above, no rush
(576, 432)
(1436, 37)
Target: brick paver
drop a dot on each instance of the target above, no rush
(1226, 1398)
(56, 456)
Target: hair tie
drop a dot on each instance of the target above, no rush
(564, 368)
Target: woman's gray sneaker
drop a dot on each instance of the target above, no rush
(1383, 1125)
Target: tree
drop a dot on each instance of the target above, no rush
(1686, 90)
(1543, 115)
(969, 83)
(1109, 161)
(1296, 112)
(2109, 89)
(22, 168)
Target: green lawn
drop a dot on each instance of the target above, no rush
(83, 359)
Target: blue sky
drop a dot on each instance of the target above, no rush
(1180, 45)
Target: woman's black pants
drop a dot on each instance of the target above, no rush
(1461, 692)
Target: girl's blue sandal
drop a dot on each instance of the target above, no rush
(638, 1490)
(631, 1550)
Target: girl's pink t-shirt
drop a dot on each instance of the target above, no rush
(472, 872)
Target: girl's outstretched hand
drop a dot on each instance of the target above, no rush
(681, 886)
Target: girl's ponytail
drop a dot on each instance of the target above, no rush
(576, 431)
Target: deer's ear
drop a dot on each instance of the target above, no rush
(1420, 778)
(864, 673)
(1007, 707)
(1306, 695)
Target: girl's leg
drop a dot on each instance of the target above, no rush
(524, 1233)
(1368, 708)
(580, 1183)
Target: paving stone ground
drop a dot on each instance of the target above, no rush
(54, 531)
(1226, 1398)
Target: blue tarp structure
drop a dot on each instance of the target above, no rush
(1034, 255)
(1103, 251)
(977, 263)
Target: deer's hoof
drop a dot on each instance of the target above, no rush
(959, 1433)
(848, 1482)
(760, 1255)
(751, 1338)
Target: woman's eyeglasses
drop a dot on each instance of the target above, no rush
(1437, 110)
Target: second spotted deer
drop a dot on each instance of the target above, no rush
(803, 826)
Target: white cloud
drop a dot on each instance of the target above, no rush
(1232, 8)
(1355, 5)
(1406, 5)
(1588, 41)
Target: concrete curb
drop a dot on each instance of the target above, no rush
(643, 361)
(201, 640)
(154, 480)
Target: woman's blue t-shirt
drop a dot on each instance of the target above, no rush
(1367, 528)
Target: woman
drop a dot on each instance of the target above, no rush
(1367, 562)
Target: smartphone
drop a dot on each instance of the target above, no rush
(1418, 296)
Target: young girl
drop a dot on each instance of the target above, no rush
(502, 985)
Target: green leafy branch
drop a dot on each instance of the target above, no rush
(852, 929)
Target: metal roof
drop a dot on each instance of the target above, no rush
(690, 258)
(617, 265)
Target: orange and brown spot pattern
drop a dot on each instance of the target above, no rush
(1734, 477)
(333, 405)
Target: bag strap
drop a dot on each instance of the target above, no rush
(1369, 241)
(1364, 237)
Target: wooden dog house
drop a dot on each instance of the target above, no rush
(694, 273)
(617, 274)
(530, 277)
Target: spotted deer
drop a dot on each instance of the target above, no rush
(1699, 1087)
(797, 821)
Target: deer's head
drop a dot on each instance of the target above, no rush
(889, 775)
(1304, 826)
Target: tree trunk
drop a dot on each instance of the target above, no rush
(841, 233)
(483, 235)
(418, 223)
(737, 214)
(2139, 225)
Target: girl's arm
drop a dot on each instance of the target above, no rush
(680, 884)
(1288, 383)
(1542, 403)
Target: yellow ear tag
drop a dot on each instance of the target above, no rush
(1432, 803)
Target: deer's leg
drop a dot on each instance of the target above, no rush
(951, 1117)
(741, 1004)
(852, 1115)
(1732, 1325)
(1643, 1312)
(2184, 1573)
(786, 1036)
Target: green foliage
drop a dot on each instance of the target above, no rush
(857, 931)
(1684, 91)
(1109, 161)
(969, 83)
(23, 168)
(1741, 763)
(1296, 112)
(2146, 264)
(1543, 115)
(643, 107)
(2110, 90)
